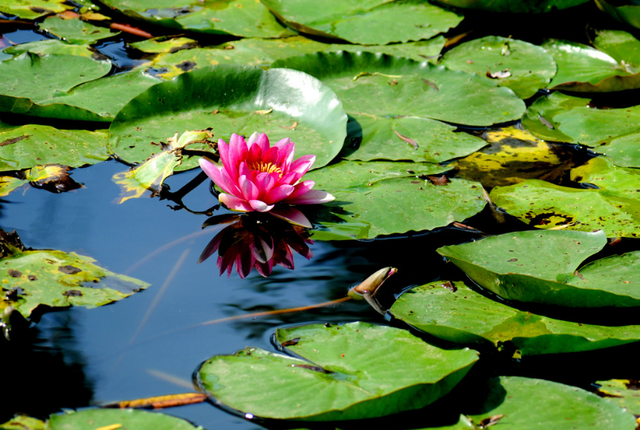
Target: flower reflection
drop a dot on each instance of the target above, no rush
(260, 240)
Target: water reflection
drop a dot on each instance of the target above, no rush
(255, 240)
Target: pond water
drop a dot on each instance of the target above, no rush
(149, 344)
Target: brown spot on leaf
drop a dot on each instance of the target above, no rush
(14, 140)
(291, 342)
(12, 296)
(72, 293)
(32, 277)
(69, 270)
(438, 180)
(448, 285)
(186, 65)
(407, 139)
(15, 273)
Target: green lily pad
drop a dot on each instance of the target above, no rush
(233, 99)
(403, 87)
(33, 82)
(164, 44)
(526, 404)
(585, 69)
(540, 117)
(347, 376)
(407, 138)
(514, 6)
(49, 46)
(244, 18)
(368, 22)
(456, 313)
(621, 46)
(591, 127)
(623, 151)
(382, 198)
(422, 50)
(52, 177)
(75, 30)
(622, 392)
(542, 267)
(626, 13)
(614, 207)
(521, 66)
(22, 422)
(23, 147)
(125, 419)
(59, 279)
(32, 9)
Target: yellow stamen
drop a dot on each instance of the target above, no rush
(261, 166)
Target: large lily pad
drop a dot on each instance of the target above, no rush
(110, 418)
(33, 84)
(49, 46)
(32, 9)
(614, 207)
(623, 392)
(540, 118)
(382, 198)
(542, 267)
(582, 68)
(456, 313)
(75, 30)
(621, 46)
(59, 279)
(233, 99)
(407, 138)
(246, 18)
(23, 147)
(385, 86)
(371, 22)
(521, 66)
(354, 371)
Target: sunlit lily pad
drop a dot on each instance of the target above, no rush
(403, 87)
(456, 313)
(346, 376)
(122, 418)
(52, 177)
(23, 422)
(50, 46)
(75, 30)
(623, 392)
(582, 68)
(32, 278)
(407, 138)
(513, 156)
(23, 147)
(514, 6)
(620, 45)
(32, 83)
(540, 117)
(32, 9)
(164, 44)
(614, 207)
(513, 402)
(371, 22)
(382, 198)
(233, 99)
(246, 18)
(542, 267)
(521, 66)
(623, 151)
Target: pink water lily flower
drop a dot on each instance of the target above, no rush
(254, 176)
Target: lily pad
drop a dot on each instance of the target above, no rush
(245, 18)
(521, 66)
(33, 82)
(585, 69)
(52, 177)
(23, 147)
(165, 44)
(540, 118)
(614, 207)
(368, 22)
(347, 376)
(109, 418)
(75, 30)
(591, 127)
(456, 313)
(513, 156)
(382, 198)
(626, 13)
(623, 392)
(233, 99)
(50, 46)
(620, 45)
(514, 402)
(542, 267)
(623, 151)
(407, 138)
(32, 9)
(32, 278)
(403, 87)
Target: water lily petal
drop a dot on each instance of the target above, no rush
(252, 139)
(248, 188)
(292, 216)
(237, 152)
(312, 197)
(303, 164)
(278, 194)
(263, 142)
(218, 176)
(211, 247)
(265, 182)
(234, 203)
(301, 189)
(260, 206)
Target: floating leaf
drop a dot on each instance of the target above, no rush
(347, 376)
(368, 22)
(32, 84)
(513, 156)
(50, 46)
(626, 13)
(23, 147)
(406, 138)
(459, 314)
(540, 118)
(362, 82)
(32, 9)
(582, 68)
(620, 45)
(245, 18)
(382, 198)
(529, 67)
(542, 267)
(58, 279)
(623, 151)
(75, 30)
(225, 98)
(614, 207)
(115, 419)
(164, 44)
(623, 392)
(22, 422)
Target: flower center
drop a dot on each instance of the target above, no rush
(261, 166)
